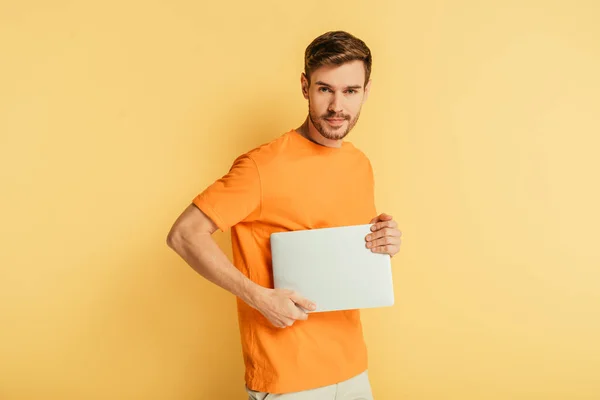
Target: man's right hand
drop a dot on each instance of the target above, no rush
(281, 306)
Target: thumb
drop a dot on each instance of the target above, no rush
(302, 302)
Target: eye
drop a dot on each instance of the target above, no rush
(351, 91)
(324, 89)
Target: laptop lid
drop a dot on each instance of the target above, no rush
(332, 267)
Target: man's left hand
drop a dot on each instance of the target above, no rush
(385, 235)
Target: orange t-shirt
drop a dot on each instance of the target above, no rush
(292, 183)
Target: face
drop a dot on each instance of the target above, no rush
(335, 96)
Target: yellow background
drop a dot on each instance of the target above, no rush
(483, 129)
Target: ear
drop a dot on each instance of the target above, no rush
(367, 91)
(305, 84)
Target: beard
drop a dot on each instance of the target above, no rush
(326, 130)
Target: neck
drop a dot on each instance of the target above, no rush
(308, 130)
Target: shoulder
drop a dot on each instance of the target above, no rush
(359, 154)
(269, 151)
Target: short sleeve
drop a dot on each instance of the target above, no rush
(234, 198)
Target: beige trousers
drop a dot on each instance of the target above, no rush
(357, 388)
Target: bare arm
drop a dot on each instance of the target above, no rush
(191, 238)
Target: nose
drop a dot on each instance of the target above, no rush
(335, 105)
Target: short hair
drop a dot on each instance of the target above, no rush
(336, 48)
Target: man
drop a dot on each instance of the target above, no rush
(307, 178)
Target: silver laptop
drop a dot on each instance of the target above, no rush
(332, 267)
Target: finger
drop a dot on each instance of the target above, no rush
(294, 313)
(387, 249)
(302, 302)
(384, 224)
(383, 232)
(386, 240)
(377, 249)
(279, 324)
(300, 315)
(381, 217)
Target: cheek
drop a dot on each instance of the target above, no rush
(318, 104)
(354, 106)
(351, 105)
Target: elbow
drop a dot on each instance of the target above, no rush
(180, 237)
(189, 228)
(173, 238)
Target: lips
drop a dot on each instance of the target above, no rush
(335, 121)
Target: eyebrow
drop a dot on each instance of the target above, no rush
(321, 83)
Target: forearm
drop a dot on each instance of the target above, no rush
(203, 254)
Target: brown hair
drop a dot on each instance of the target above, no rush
(336, 48)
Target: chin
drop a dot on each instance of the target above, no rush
(333, 135)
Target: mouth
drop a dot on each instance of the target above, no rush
(335, 121)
